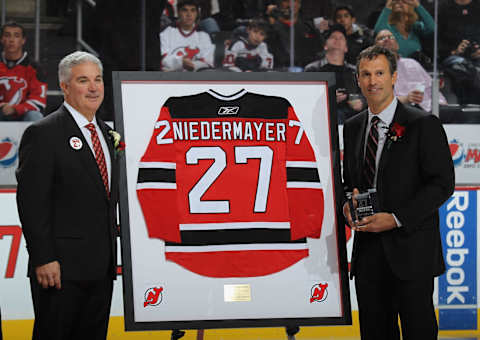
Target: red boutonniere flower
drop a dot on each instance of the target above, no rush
(395, 133)
(121, 146)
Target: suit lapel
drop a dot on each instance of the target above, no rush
(104, 128)
(360, 147)
(85, 155)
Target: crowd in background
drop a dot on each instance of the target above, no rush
(254, 36)
(233, 46)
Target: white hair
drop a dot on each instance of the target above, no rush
(73, 59)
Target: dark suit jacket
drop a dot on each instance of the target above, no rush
(415, 176)
(64, 209)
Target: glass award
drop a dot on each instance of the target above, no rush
(366, 204)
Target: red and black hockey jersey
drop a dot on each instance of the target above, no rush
(20, 86)
(243, 56)
(230, 183)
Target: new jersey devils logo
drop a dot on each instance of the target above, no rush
(11, 89)
(319, 292)
(153, 296)
(187, 52)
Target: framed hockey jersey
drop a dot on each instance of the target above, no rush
(229, 215)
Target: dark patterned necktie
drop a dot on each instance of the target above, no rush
(371, 152)
(99, 156)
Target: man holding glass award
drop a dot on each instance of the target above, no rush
(398, 171)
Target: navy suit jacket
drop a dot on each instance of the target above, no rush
(415, 176)
(66, 214)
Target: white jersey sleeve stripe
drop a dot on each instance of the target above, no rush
(234, 225)
(159, 165)
(295, 164)
(305, 185)
(151, 185)
(236, 247)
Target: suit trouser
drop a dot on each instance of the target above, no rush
(79, 310)
(382, 298)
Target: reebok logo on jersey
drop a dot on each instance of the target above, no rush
(228, 110)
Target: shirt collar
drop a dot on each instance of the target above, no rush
(12, 63)
(386, 116)
(78, 117)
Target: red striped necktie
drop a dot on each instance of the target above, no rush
(99, 156)
(369, 168)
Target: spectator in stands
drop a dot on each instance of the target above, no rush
(22, 94)
(414, 84)
(312, 9)
(232, 13)
(308, 40)
(408, 21)
(184, 47)
(318, 12)
(206, 21)
(458, 26)
(349, 100)
(359, 37)
(250, 53)
(459, 38)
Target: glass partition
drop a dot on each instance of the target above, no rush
(265, 36)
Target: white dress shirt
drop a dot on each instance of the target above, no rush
(386, 117)
(82, 122)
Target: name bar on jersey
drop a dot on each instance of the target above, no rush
(229, 130)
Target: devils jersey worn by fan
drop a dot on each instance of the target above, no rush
(20, 85)
(230, 183)
(243, 56)
(175, 44)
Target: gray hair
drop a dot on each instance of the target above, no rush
(73, 59)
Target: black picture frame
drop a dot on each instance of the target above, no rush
(329, 79)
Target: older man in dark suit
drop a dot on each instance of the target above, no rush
(67, 193)
(397, 252)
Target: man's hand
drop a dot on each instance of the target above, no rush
(461, 47)
(322, 26)
(415, 97)
(356, 104)
(476, 54)
(341, 96)
(270, 8)
(376, 223)
(346, 209)
(7, 109)
(188, 64)
(268, 12)
(48, 275)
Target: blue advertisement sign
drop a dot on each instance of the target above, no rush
(457, 288)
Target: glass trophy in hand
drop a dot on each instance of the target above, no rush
(366, 204)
